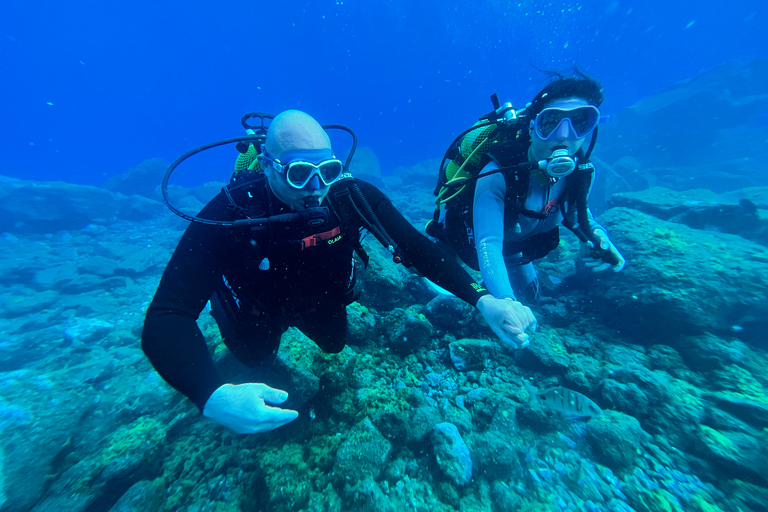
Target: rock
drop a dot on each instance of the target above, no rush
(664, 357)
(505, 497)
(46, 207)
(492, 449)
(327, 500)
(752, 409)
(422, 422)
(671, 267)
(664, 132)
(54, 277)
(707, 352)
(627, 398)
(23, 301)
(449, 313)
(740, 455)
(452, 454)
(457, 416)
(87, 330)
(361, 324)
(99, 265)
(147, 496)
(142, 261)
(753, 496)
(585, 374)
(132, 454)
(296, 356)
(468, 354)
(366, 166)
(615, 439)
(700, 209)
(384, 284)
(546, 352)
(363, 453)
(407, 330)
(538, 417)
(142, 179)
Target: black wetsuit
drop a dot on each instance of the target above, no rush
(307, 288)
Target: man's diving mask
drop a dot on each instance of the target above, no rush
(576, 122)
(301, 166)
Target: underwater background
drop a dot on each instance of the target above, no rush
(424, 409)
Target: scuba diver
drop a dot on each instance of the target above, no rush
(508, 182)
(274, 249)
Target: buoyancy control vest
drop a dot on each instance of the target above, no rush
(502, 137)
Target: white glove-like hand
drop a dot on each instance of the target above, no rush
(607, 257)
(508, 319)
(243, 408)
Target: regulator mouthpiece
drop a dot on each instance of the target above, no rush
(559, 165)
(311, 202)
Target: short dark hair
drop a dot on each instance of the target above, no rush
(579, 85)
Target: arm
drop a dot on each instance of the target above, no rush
(171, 338)
(488, 223)
(507, 318)
(176, 347)
(427, 257)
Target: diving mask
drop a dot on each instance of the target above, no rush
(301, 167)
(579, 122)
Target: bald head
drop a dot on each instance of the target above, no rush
(292, 130)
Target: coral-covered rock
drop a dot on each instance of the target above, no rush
(701, 209)
(469, 354)
(449, 313)
(546, 351)
(739, 454)
(384, 284)
(407, 330)
(615, 439)
(680, 280)
(296, 356)
(361, 325)
(363, 453)
(452, 454)
(627, 398)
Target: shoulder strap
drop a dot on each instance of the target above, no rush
(248, 198)
(341, 203)
(577, 192)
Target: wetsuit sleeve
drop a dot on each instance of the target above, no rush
(427, 257)
(171, 338)
(488, 223)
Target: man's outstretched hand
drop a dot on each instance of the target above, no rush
(244, 409)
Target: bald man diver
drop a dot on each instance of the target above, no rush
(259, 287)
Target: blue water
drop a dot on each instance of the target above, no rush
(91, 88)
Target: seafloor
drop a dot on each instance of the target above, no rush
(423, 410)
